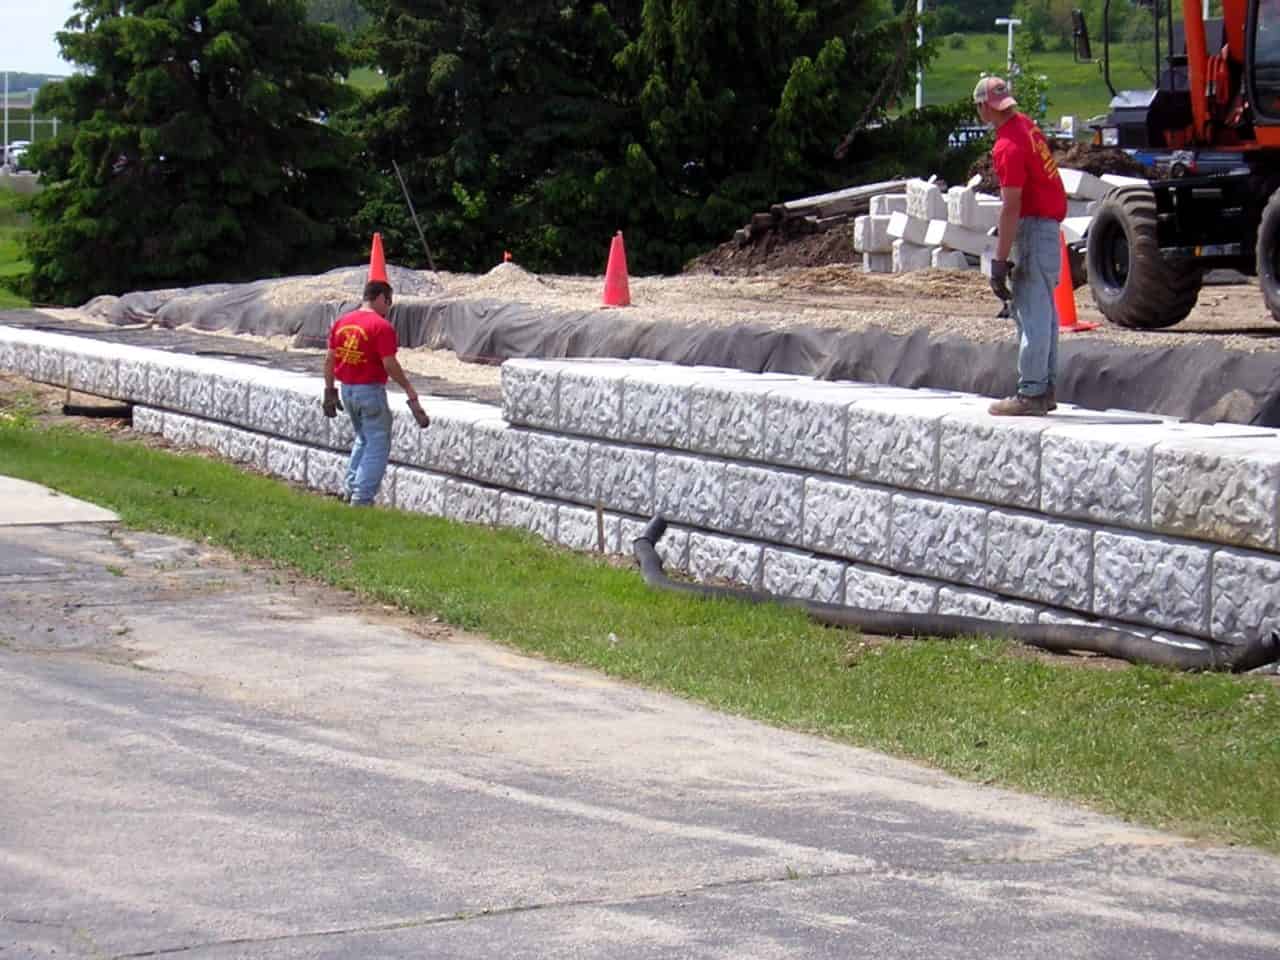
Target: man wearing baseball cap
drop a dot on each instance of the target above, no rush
(1033, 204)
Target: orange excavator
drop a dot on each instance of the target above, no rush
(1210, 130)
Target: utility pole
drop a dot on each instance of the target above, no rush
(919, 44)
(1010, 22)
(6, 118)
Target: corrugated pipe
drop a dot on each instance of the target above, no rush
(1165, 650)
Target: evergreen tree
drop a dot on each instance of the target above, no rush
(195, 148)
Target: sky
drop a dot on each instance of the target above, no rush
(27, 27)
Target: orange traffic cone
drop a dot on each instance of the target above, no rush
(506, 256)
(617, 291)
(377, 263)
(1064, 297)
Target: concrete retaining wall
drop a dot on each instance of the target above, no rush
(848, 493)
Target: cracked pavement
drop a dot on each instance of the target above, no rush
(206, 759)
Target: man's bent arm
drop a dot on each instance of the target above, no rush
(396, 373)
(328, 370)
(1010, 214)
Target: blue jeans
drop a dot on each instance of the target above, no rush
(1034, 279)
(366, 405)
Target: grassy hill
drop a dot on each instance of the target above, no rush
(12, 225)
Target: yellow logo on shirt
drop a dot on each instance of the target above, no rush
(350, 349)
(1042, 148)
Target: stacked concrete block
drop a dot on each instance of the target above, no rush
(1151, 580)
(580, 528)
(884, 204)
(925, 200)
(895, 439)
(1246, 595)
(1075, 229)
(968, 208)
(716, 558)
(958, 602)
(1081, 185)
(912, 229)
(419, 491)
(672, 549)
(944, 259)
(877, 263)
(1225, 489)
(528, 513)
(793, 574)
(870, 588)
(468, 502)
(689, 489)
(327, 471)
(727, 413)
(285, 459)
(623, 477)
(847, 519)
(499, 451)
(871, 234)
(941, 233)
(763, 503)
(908, 256)
(559, 467)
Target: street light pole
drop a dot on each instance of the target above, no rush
(919, 44)
(1010, 22)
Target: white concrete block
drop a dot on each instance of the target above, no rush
(866, 588)
(622, 477)
(894, 439)
(672, 548)
(763, 502)
(884, 204)
(937, 538)
(179, 429)
(50, 364)
(792, 573)
(304, 412)
(1049, 561)
(727, 414)
(871, 234)
(959, 602)
(806, 422)
(211, 435)
(500, 453)
(591, 398)
(968, 208)
(940, 233)
(528, 513)
(1147, 580)
(418, 491)
(847, 519)
(689, 489)
(944, 259)
(877, 262)
(992, 459)
(470, 503)
(148, 419)
(656, 403)
(162, 384)
(1119, 180)
(1080, 208)
(132, 374)
(327, 471)
(908, 256)
(579, 528)
(446, 446)
(1075, 229)
(529, 391)
(406, 436)
(1246, 596)
(1227, 490)
(285, 459)
(248, 448)
(1081, 185)
(229, 399)
(725, 558)
(904, 227)
(559, 467)
(90, 369)
(925, 200)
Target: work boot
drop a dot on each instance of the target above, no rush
(1020, 406)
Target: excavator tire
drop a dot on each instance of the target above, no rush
(1268, 251)
(1132, 284)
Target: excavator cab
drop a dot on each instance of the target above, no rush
(1208, 128)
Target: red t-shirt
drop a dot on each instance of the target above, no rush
(359, 341)
(1022, 159)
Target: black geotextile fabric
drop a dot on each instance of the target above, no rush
(1197, 382)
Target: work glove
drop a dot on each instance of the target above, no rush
(331, 402)
(415, 407)
(1000, 270)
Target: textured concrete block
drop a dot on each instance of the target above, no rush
(148, 420)
(304, 412)
(1151, 581)
(672, 549)
(529, 392)
(579, 528)
(590, 400)
(24, 359)
(995, 460)
(1225, 490)
(162, 384)
(877, 262)
(622, 478)
(528, 513)
(866, 588)
(884, 204)
(893, 439)
(418, 491)
(763, 502)
(937, 538)
(724, 558)
(180, 429)
(132, 378)
(211, 435)
(789, 573)
(1049, 561)
(268, 403)
(871, 234)
(908, 228)
(1082, 186)
(689, 489)
(925, 200)
(246, 447)
(908, 256)
(50, 364)
(500, 453)
(327, 471)
(806, 422)
(285, 459)
(91, 369)
(560, 467)
(471, 503)
(656, 403)
(406, 436)
(968, 208)
(944, 259)
(229, 399)
(941, 233)
(727, 414)
(959, 602)
(1246, 596)
(847, 519)
(447, 445)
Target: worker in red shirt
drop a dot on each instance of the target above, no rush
(362, 354)
(1033, 204)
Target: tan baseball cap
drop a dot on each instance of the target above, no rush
(994, 92)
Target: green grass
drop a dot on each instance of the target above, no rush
(366, 79)
(1195, 753)
(1074, 88)
(13, 224)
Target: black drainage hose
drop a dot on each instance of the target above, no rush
(115, 411)
(1171, 650)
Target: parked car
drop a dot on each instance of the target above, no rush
(14, 152)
